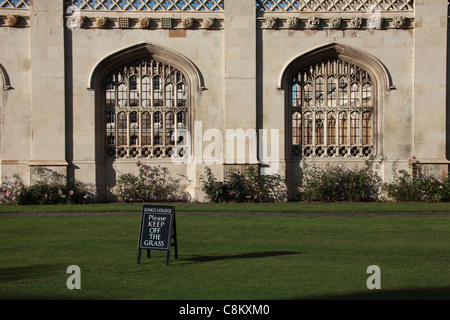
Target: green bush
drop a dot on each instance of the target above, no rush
(339, 183)
(151, 184)
(413, 186)
(215, 190)
(50, 188)
(10, 190)
(250, 186)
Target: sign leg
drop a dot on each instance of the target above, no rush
(175, 236)
(167, 257)
(139, 256)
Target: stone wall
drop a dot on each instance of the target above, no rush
(53, 54)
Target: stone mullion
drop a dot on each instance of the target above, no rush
(325, 123)
(140, 128)
(360, 112)
(313, 113)
(152, 131)
(128, 128)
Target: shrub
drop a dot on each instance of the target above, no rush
(410, 185)
(52, 188)
(10, 190)
(151, 184)
(338, 183)
(215, 190)
(250, 186)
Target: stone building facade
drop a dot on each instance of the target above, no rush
(90, 87)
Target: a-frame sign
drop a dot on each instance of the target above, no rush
(158, 230)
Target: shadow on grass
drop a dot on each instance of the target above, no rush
(30, 272)
(249, 255)
(437, 293)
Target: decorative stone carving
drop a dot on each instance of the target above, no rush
(138, 5)
(399, 22)
(375, 22)
(332, 5)
(144, 23)
(166, 23)
(188, 23)
(101, 22)
(12, 20)
(355, 23)
(208, 23)
(78, 21)
(313, 23)
(271, 22)
(334, 23)
(124, 22)
(293, 22)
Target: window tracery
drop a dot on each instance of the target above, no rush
(331, 108)
(145, 105)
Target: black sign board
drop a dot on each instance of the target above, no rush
(157, 231)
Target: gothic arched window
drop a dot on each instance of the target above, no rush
(332, 110)
(145, 103)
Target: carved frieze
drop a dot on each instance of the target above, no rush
(78, 21)
(293, 23)
(144, 23)
(101, 22)
(208, 23)
(271, 22)
(375, 22)
(188, 23)
(399, 22)
(313, 23)
(356, 23)
(334, 23)
(12, 20)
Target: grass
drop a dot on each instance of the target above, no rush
(298, 207)
(227, 257)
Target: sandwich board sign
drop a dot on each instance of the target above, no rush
(157, 231)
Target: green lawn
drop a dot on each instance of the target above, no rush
(300, 207)
(227, 257)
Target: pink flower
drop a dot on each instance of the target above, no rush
(441, 187)
(8, 194)
(15, 182)
(71, 192)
